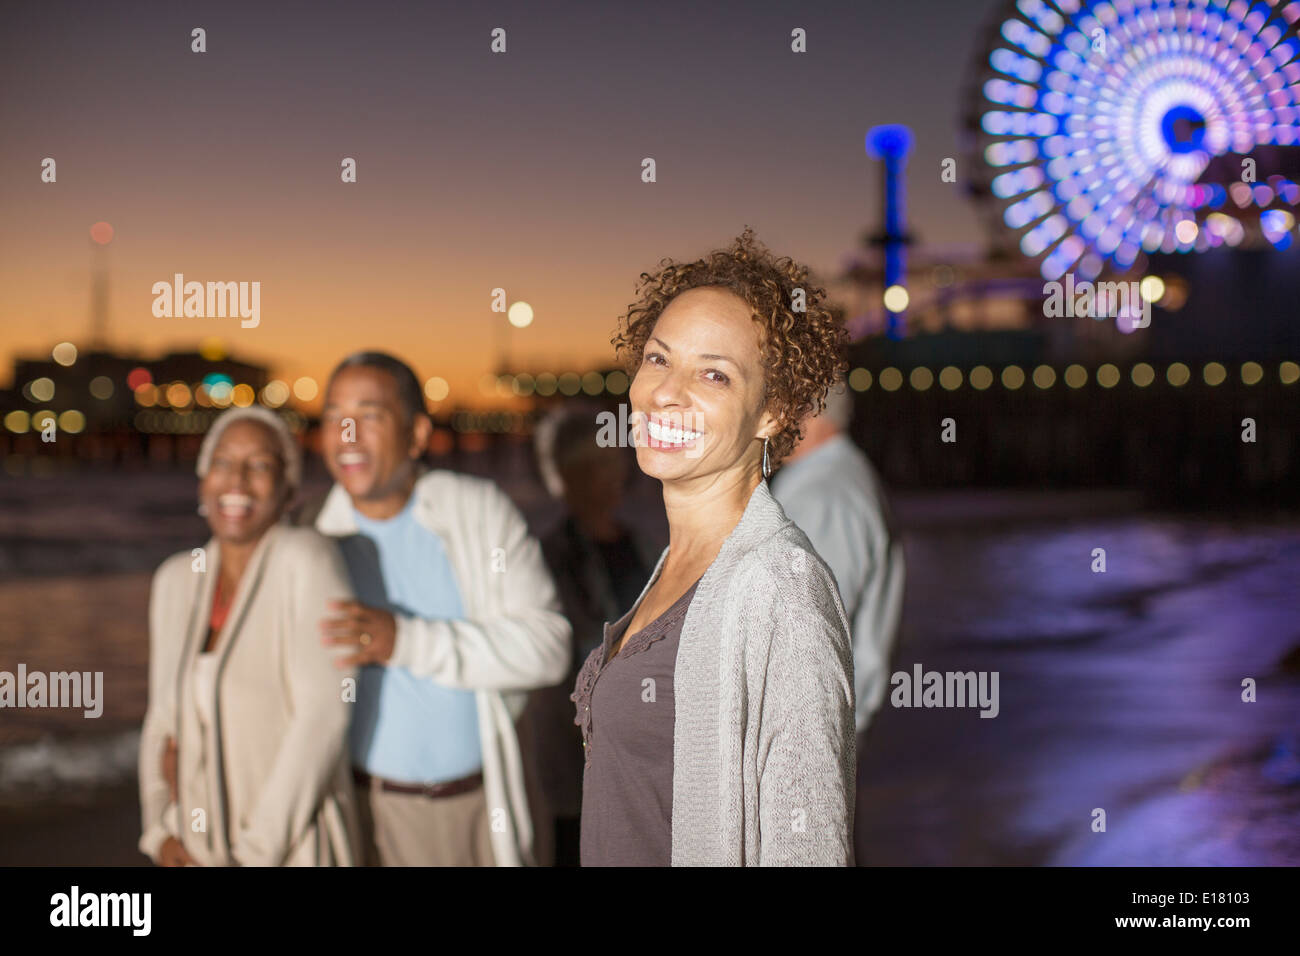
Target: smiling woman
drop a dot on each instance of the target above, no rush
(243, 750)
(717, 715)
(249, 467)
(800, 344)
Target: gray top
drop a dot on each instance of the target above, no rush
(764, 749)
(626, 711)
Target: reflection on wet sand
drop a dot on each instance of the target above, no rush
(1120, 690)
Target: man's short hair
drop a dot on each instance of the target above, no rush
(409, 393)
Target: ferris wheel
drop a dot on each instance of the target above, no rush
(1104, 131)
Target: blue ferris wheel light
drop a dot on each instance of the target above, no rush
(1099, 119)
(1183, 128)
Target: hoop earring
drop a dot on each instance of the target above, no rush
(766, 470)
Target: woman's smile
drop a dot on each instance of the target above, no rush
(234, 506)
(664, 434)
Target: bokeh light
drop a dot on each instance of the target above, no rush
(305, 389)
(178, 395)
(40, 390)
(860, 379)
(436, 389)
(275, 394)
(220, 393)
(1152, 288)
(1178, 375)
(72, 421)
(616, 382)
(520, 315)
(896, 298)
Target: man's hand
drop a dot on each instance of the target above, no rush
(171, 853)
(367, 632)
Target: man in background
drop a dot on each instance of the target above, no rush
(829, 488)
(456, 619)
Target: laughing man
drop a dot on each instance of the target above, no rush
(456, 618)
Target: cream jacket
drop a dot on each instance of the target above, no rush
(266, 781)
(512, 639)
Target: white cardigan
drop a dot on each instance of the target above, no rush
(512, 639)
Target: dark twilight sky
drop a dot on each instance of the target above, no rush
(475, 170)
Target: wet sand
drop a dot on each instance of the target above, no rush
(1119, 691)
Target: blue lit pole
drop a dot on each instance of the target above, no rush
(891, 144)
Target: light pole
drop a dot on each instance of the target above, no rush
(891, 144)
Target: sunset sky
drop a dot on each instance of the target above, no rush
(519, 170)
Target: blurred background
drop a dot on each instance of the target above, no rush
(936, 164)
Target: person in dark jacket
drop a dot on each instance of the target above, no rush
(600, 565)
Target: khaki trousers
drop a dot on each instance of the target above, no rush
(401, 829)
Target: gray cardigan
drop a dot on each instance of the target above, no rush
(764, 751)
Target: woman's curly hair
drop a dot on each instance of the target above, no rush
(803, 352)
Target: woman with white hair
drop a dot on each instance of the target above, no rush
(243, 754)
